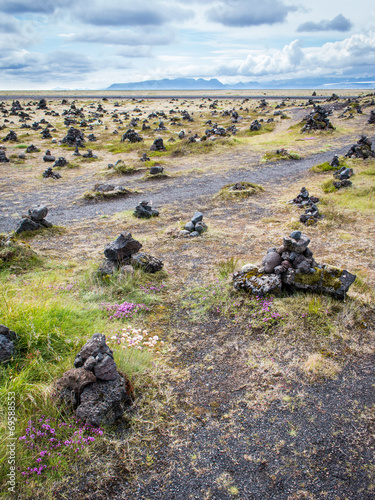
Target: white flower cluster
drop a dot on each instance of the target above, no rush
(136, 338)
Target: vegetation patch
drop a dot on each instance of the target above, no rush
(239, 190)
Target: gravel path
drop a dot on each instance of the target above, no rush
(62, 196)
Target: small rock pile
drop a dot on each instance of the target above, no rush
(74, 137)
(124, 251)
(145, 211)
(94, 389)
(34, 220)
(317, 120)
(61, 162)
(343, 175)
(48, 156)
(293, 266)
(158, 145)
(11, 136)
(371, 119)
(255, 126)
(131, 136)
(362, 149)
(50, 173)
(194, 227)
(3, 157)
(304, 200)
(8, 339)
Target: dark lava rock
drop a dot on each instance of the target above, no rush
(255, 125)
(32, 149)
(131, 136)
(145, 211)
(27, 225)
(122, 248)
(8, 338)
(158, 145)
(74, 137)
(3, 157)
(11, 136)
(146, 262)
(38, 212)
(156, 170)
(60, 162)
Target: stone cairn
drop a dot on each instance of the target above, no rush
(145, 211)
(293, 266)
(371, 119)
(94, 389)
(304, 200)
(8, 339)
(362, 149)
(131, 136)
(343, 175)
(50, 173)
(34, 220)
(124, 252)
(194, 227)
(317, 120)
(158, 145)
(3, 157)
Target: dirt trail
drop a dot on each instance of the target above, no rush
(62, 196)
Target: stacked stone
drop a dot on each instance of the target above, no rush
(158, 145)
(145, 211)
(34, 220)
(131, 136)
(362, 149)
(293, 265)
(343, 175)
(74, 137)
(60, 162)
(123, 252)
(3, 157)
(50, 173)
(194, 227)
(304, 200)
(317, 120)
(255, 126)
(94, 388)
(11, 136)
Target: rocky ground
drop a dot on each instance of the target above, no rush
(239, 417)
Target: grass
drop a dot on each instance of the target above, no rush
(102, 196)
(17, 256)
(273, 156)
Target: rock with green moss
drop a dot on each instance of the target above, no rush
(257, 283)
(327, 279)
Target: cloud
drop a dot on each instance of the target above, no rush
(18, 7)
(33, 66)
(128, 13)
(120, 37)
(241, 13)
(354, 55)
(338, 23)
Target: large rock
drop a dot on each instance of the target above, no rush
(94, 347)
(328, 279)
(296, 245)
(27, 225)
(8, 339)
(257, 283)
(158, 145)
(270, 261)
(145, 211)
(122, 249)
(146, 262)
(103, 403)
(38, 212)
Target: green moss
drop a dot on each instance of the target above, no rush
(328, 277)
(250, 189)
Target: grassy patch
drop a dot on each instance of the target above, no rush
(246, 189)
(274, 156)
(110, 195)
(17, 256)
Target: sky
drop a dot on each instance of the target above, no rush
(75, 44)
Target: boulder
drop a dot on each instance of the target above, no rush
(8, 339)
(122, 248)
(257, 283)
(145, 211)
(27, 225)
(156, 170)
(270, 261)
(146, 262)
(38, 212)
(3, 157)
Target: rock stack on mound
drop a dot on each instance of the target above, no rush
(362, 149)
(317, 120)
(255, 126)
(292, 265)
(124, 251)
(34, 220)
(343, 175)
(94, 389)
(145, 211)
(158, 145)
(194, 227)
(131, 136)
(8, 339)
(74, 137)
(304, 200)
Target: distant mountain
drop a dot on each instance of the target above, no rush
(214, 84)
(175, 84)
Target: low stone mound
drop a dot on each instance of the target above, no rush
(362, 149)
(195, 227)
(94, 389)
(304, 200)
(123, 252)
(292, 265)
(242, 189)
(145, 211)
